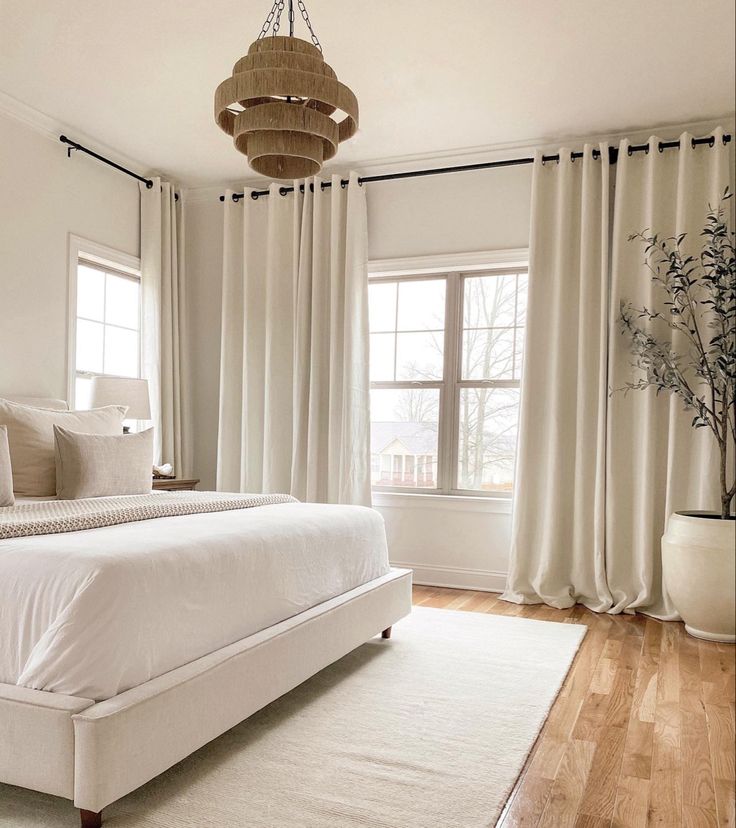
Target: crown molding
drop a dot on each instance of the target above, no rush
(495, 152)
(52, 128)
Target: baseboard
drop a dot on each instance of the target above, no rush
(455, 577)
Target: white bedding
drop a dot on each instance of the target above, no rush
(97, 612)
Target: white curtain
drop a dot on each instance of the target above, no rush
(163, 322)
(558, 516)
(598, 475)
(657, 463)
(294, 398)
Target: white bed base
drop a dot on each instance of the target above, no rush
(95, 753)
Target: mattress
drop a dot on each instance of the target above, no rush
(96, 612)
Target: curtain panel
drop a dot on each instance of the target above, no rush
(294, 392)
(163, 322)
(598, 473)
(558, 521)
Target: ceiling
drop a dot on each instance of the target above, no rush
(431, 77)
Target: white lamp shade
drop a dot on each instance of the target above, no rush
(123, 391)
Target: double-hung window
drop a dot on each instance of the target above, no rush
(105, 328)
(446, 356)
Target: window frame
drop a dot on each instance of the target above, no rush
(454, 269)
(84, 251)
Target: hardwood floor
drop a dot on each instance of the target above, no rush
(642, 733)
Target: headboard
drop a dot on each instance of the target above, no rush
(38, 402)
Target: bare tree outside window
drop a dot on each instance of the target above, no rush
(426, 373)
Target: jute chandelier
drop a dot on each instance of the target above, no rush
(282, 102)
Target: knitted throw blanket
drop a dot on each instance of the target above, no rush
(51, 517)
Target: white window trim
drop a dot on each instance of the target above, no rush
(454, 268)
(104, 256)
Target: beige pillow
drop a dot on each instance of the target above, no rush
(6, 472)
(31, 440)
(95, 465)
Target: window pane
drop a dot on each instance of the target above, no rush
(488, 354)
(422, 305)
(90, 293)
(419, 355)
(489, 301)
(382, 357)
(404, 427)
(121, 352)
(89, 345)
(487, 445)
(521, 299)
(122, 305)
(82, 392)
(382, 306)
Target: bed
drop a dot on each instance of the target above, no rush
(126, 647)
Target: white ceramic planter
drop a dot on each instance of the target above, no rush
(699, 568)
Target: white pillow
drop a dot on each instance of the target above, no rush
(31, 440)
(96, 465)
(6, 472)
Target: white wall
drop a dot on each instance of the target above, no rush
(43, 198)
(450, 541)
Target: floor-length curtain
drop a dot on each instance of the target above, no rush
(558, 515)
(599, 473)
(294, 400)
(657, 463)
(163, 321)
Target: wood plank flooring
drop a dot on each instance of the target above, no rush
(642, 733)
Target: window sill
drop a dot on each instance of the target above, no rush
(458, 503)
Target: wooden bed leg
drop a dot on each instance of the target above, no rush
(386, 633)
(90, 819)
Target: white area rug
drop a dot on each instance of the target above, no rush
(431, 728)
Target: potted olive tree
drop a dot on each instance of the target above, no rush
(697, 362)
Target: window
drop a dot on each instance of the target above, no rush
(446, 356)
(105, 334)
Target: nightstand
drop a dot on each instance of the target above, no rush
(174, 484)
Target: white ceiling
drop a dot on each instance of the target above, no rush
(431, 77)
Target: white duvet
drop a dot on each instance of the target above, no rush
(96, 612)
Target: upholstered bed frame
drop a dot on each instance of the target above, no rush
(96, 752)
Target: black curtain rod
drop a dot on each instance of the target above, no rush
(488, 165)
(73, 145)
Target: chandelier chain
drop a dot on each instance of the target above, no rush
(305, 15)
(267, 25)
(277, 21)
(273, 21)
